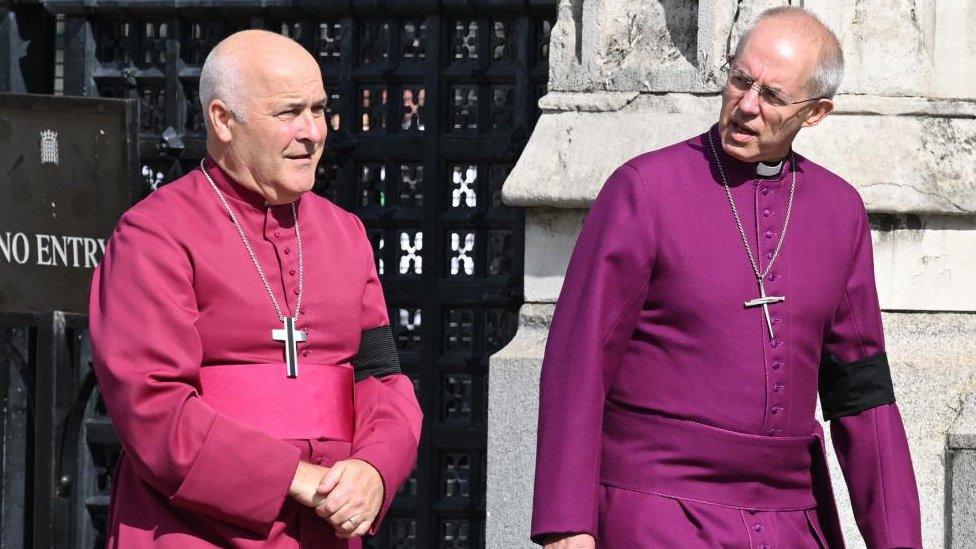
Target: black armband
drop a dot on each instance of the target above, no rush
(851, 388)
(377, 356)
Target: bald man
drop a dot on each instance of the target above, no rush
(715, 286)
(240, 335)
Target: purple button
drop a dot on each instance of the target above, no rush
(291, 272)
(777, 365)
(302, 310)
(778, 388)
(758, 528)
(276, 233)
(769, 254)
(774, 343)
(773, 432)
(767, 212)
(296, 291)
(769, 234)
(772, 276)
(765, 190)
(775, 410)
(287, 250)
(305, 352)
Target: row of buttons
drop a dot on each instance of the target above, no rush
(758, 528)
(776, 419)
(292, 272)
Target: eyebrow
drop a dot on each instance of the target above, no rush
(776, 89)
(296, 103)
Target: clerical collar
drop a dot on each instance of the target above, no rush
(768, 170)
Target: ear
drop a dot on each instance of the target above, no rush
(820, 110)
(221, 120)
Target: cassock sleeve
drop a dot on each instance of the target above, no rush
(857, 397)
(595, 316)
(147, 356)
(388, 416)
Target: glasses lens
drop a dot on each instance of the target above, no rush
(773, 97)
(739, 80)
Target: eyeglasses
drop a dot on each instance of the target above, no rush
(743, 82)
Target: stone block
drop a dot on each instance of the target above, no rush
(904, 155)
(961, 476)
(551, 234)
(513, 414)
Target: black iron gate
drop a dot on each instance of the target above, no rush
(59, 446)
(430, 104)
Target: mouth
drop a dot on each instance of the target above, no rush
(302, 158)
(741, 133)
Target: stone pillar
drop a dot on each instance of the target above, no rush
(628, 76)
(961, 472)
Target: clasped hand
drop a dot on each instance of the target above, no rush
(347, 495)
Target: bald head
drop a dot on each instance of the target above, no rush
(244, 61)
(797, 28)
(264, 105)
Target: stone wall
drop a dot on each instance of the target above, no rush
(644, 73)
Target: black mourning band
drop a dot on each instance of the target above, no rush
(851, 388)
(377, 354)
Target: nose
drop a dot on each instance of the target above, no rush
(749, 103)
(311, 128)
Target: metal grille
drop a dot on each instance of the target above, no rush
(59, 445)
(430, 105)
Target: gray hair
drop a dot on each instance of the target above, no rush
(220, 78)
(829, 71)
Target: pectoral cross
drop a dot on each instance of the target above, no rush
(290, 337)
(765, 301)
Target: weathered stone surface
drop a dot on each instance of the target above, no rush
(926, 263)
(962, 477)
(551, 234)
(513, 414)
(962, 530)
(571, 152)
(962, 436)
(904, 155)
(886, 43)
(932, 367)
(905, 164)
(952, 44)
(650, 45)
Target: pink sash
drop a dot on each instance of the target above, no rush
(318, 404)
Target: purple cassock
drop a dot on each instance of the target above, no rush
(212, 426)
(669, 417)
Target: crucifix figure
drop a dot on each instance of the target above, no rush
(765, 301)
(290, 337)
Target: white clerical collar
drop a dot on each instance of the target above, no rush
(767, 170)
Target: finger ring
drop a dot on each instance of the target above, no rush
(353, 521)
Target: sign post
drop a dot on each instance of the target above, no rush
(69, 167)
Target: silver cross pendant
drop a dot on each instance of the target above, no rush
(290, 336)
(765, 301)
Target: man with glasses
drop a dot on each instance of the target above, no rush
(716, 285)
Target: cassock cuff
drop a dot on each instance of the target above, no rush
(377, 354)
(240, 476)
(850, 388)
(390, 465)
